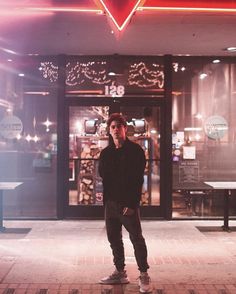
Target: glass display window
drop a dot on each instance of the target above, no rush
(203, 140)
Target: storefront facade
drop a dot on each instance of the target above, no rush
(53, 114)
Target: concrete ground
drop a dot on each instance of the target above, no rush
(71, 256)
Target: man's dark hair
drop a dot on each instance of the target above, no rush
(118, 118)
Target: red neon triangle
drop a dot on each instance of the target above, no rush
(120, 10)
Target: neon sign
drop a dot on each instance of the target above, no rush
(121, 11)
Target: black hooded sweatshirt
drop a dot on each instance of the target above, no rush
(122, 170)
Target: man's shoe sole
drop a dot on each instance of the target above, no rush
(142, 291)
(147, 291)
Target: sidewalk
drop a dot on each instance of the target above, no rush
(193, 257)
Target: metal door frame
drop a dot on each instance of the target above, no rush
(96, 212)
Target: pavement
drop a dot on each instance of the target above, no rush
(70, 256)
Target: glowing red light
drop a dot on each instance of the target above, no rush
(190, 4)
(120, 11)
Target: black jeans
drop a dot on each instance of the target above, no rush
(114, 221)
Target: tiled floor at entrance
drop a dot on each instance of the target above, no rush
(71, 256)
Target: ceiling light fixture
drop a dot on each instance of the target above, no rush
(202, 76)
(230, 49)
(216, 61)
(111, 73)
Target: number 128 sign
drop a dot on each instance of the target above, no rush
(114, 91)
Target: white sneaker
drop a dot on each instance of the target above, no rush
(117, 277)
(144, 283)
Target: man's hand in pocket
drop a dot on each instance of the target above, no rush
(128, 211)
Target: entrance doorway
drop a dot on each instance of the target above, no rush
(87, 133)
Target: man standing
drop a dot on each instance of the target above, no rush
(121, 167)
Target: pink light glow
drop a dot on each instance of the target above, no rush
(190, 5)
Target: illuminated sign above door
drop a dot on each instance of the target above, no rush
(121, 11)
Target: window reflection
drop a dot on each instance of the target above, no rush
(28, 141)
(203, 139)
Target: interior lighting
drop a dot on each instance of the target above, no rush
(111, 73)
(47, 123)
(198, 116)
(216, 61)
(175, 66)
(8, 51)
(202, 76)
(9, 110)
(153, 131)
(35, 138)
(36, 93)
(231, 49)
(197, 137)
(28, 138)
(183, 68)
(193, 129)
(6, 104)
(18, 137)
(33, 54)
(21, 75)
(79, 127)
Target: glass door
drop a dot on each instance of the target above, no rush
(88, 135)
(144, 129)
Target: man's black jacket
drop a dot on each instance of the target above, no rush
(122, 173)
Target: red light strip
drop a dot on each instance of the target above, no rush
(200, 9)
(120, 28)
(64, 9)
(189, 5)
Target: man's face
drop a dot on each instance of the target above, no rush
(117, 130)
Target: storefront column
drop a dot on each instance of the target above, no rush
(61, 144)
(166, 163)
